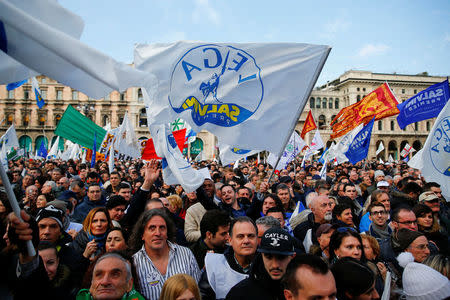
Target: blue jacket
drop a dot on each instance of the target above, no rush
(82, 209)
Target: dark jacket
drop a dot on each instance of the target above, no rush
(302, 228)
(82, 209)
(206, 290)
(259, 285)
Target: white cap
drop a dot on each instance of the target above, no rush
(382, 183)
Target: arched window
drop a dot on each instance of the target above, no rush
(336, 103)
(142, 118)
(105, 120)
(318, 103)
(140, 96)
(312, 103)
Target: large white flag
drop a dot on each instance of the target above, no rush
(175, 169)
(9, 139)
(380, 148)
(44, 37)
(239, 92)
(434, 158)
(292, 149)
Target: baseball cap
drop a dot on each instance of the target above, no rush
(428, 196)
(383, 183)
(277, 241)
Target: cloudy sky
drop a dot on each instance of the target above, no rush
(406, 37)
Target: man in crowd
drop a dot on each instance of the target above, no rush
(379, 228)
(114, 181)
(223, 271)
(214, 228)
(265, 223)
(152, 235)
(309, 277)
(93, 199)
(321, 212)
(264, 282)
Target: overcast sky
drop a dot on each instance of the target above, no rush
(407, 37)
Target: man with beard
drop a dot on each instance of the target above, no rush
(214, 228)
(264, 282)
(321, 212)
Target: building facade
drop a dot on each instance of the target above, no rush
(34, 125)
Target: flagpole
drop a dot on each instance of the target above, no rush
(308, 94)
(15, 206)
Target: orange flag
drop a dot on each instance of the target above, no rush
(380, 103)
(309, 125)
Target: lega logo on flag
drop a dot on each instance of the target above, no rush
(219, 84)
(239, 151)
(440, 147)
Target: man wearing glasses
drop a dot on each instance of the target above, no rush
(379, 228)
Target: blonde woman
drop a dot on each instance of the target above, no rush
(180, 287)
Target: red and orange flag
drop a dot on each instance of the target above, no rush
(380, 103)
(309, 125)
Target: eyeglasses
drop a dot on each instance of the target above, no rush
(381, 212)
(346, 229)
(408, 222)
(421, 247)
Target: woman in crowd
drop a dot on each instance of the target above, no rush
(428, 226)
(343, 214)
(41, 201)
(90, 241)
(180, 287)
(115, 240)
(346, 242)
(372, 251)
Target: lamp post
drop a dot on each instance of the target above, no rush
(85, 108)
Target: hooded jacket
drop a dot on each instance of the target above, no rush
(259, 285)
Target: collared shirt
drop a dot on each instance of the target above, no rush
(151, 281)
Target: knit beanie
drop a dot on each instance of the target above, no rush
(51, 212)
(421, 282)
(405, 237)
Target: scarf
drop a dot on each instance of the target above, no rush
(380, 232)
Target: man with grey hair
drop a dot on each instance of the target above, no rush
(303, 215)
(264, 224)
(321, 212)
(111, 279)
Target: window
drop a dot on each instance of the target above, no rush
(140, 96)
(380, 125)
(26, 120)
(122, 96)
(312, 103)
(120, 119)
(428, 126)
(44, 80)
(26, 94)
(358, 98)
(42, 120)
(9, 119)
(392, 126)
(416, 126)
(403, 91)
(364, 89)
(322, 121)
(44, 94)
(74, 95)
(105, 120)
(357, 89)
(11, 94)
(143, 118)
(336, 103)
(57, 119)
(330, 103)
(415, 91)
(59, 95)
(318, 103)
(324, 103)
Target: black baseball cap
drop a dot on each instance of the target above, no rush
(277, 241)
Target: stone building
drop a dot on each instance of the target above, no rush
(33, 125)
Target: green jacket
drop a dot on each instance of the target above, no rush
(132, 295)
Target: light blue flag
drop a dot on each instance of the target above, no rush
(425, 105)
(94, 151)
(15, 85)
(359, 147)
(42, 150)
(321, 160)
(37, 92)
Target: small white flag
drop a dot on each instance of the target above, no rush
(390, 159)
(323, 171)
(407, 150)
(380, 148)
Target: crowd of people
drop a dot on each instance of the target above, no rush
(365, 230)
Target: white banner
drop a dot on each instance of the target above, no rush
(239, 92)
